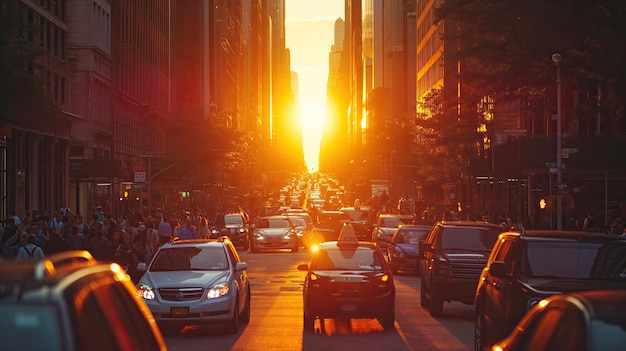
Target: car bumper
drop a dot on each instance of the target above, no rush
(456, 289)
(274, 244)
(323, 305)
(200, 312)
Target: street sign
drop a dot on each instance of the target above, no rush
(550, 164)
(139, 172)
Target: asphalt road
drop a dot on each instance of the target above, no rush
(276, 318)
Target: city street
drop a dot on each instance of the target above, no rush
(276, 318)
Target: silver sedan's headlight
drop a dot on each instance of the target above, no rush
(218, 290)
(146, 292)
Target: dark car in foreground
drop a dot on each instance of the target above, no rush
(69, 301)
(350, 279)
(525, 268)
(451, 259)
(584, 321)
(197, 282)
(403, 248)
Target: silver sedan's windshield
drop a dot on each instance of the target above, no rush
(190, 258)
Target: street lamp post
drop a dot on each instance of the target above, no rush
(556, 58)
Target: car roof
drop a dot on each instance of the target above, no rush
(469, 224)
(409, 226)
(196, 243)
(537, 235)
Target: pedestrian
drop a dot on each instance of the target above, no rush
(165, 231)
(57, 224)
(188, 231)
(120, 250)
(76, 239)
(98, 246)
(30, 251)
(56, 244)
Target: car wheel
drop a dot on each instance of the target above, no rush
(387, 321)
(245, 315)
(170, 330)
(424, 302)
(478, 331)
(232, 326)
(436, 305)
(309, 321)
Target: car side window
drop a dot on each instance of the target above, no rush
(506, 253)
(232, 253)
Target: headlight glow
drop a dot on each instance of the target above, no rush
(218, 291)
(146, 292)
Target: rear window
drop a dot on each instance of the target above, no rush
(233, 220)
(469, 238)
(278, 222)
(359, 258)
(574, 260)
(190, 258)
(24, 327)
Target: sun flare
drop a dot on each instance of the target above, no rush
(312, 122)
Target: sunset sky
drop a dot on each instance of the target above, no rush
(310, 33)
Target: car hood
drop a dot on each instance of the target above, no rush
(556, 286)
(178, 279)
(466, 256)
(274, 231)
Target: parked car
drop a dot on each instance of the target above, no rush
(525, 268)
(234, 226)
(362, 220)
(583, 321)
(273, 232)
(451, 259)
(386, 226)
(197, 282)
(348, 278)
(403, 248)
(69, 301)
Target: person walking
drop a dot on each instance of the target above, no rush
(165, 231)
(188, 231)
(30, 251)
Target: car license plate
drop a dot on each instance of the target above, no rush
(348, 307)
(179, 311)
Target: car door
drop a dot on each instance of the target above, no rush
(429, 255)
(497, 291)
(240, 276)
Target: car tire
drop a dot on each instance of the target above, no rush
(436, 304)
(245, 315)
(479, 341)
(424, 301)
(232, 326)
(387, 321)
(309, 321)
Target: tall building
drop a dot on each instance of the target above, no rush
(35, 146)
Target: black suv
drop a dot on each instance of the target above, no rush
(233, 225)
(68, 301)
(451, 259)
(524, 268)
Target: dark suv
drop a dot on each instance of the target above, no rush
(68, 301)
(234, 226)
(524, 268)
(451, 259)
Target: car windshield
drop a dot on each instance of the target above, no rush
(190, 258)
(574, 260)
(233, 220)
(34, 327)
(298, 221)
(410, 236)
(394, 222)
(469, 238)
(277, 222)
(335, 259)
(356, 215)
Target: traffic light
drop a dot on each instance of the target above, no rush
(184, 194)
